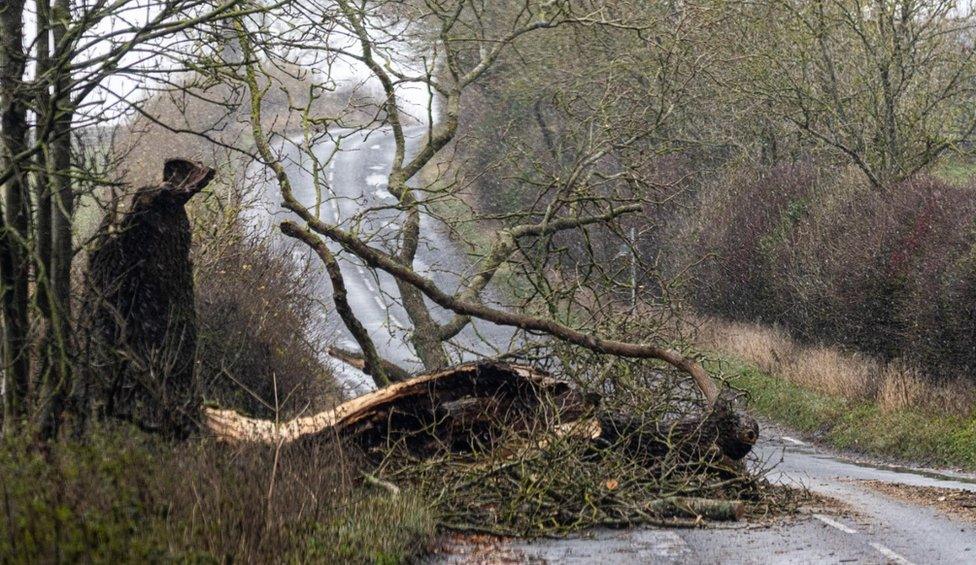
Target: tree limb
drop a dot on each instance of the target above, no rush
(380, 260)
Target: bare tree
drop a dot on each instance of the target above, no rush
(454, 44)
(887, 84)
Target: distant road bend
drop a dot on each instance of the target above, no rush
(876, 529)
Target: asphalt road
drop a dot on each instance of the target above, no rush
(875, 528)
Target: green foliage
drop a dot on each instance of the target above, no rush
(80, 502)
(120, 496)
(857, 425)
(362, 532)
(959, 172)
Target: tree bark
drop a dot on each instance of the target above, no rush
(42, 193)
(14, 237)
(428, 409)
(62, 211)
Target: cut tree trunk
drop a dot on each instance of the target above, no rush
(473, 404)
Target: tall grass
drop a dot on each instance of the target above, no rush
(893, 386)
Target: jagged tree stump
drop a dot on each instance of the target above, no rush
(140, 302)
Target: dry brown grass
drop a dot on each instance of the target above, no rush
(893, 386)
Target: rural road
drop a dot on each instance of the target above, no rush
(873, 528)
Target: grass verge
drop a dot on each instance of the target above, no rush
(122, 496)
(857, 425)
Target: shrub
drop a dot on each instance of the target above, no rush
(743, 221)
(122, 496)
(261, 324)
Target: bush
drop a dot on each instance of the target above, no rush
(261, 346)
(122, 496)
(743, 220)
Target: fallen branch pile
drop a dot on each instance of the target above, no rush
(509, 449)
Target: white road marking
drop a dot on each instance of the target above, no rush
(378, 301)
(393, 321)
(369, 285)
(377, 168)
(794, 441)
(834, 524)
(332, 164)
(891, 555)
(376, 179)
(377, 146)
(331, 176)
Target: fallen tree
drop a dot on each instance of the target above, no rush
(474, 403)
(509, 449)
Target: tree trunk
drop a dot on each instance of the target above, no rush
(42, 190)
(425, 337)
(46, 348)
(14, 236)
(454, 405)
(141, 302)
(63, 200)
(470, 404)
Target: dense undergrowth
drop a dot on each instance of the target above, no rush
(123, 496)
(261, 343)
(541, 474)
(889, 272)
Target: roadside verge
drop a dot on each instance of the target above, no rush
(856, 425)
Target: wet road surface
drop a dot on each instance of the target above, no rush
(347, 182)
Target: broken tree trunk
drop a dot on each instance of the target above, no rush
(731, 431)
(473, 404)
(140, 302)
(453, 406)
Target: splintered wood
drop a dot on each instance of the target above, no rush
(474, 404)
(468, 398)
